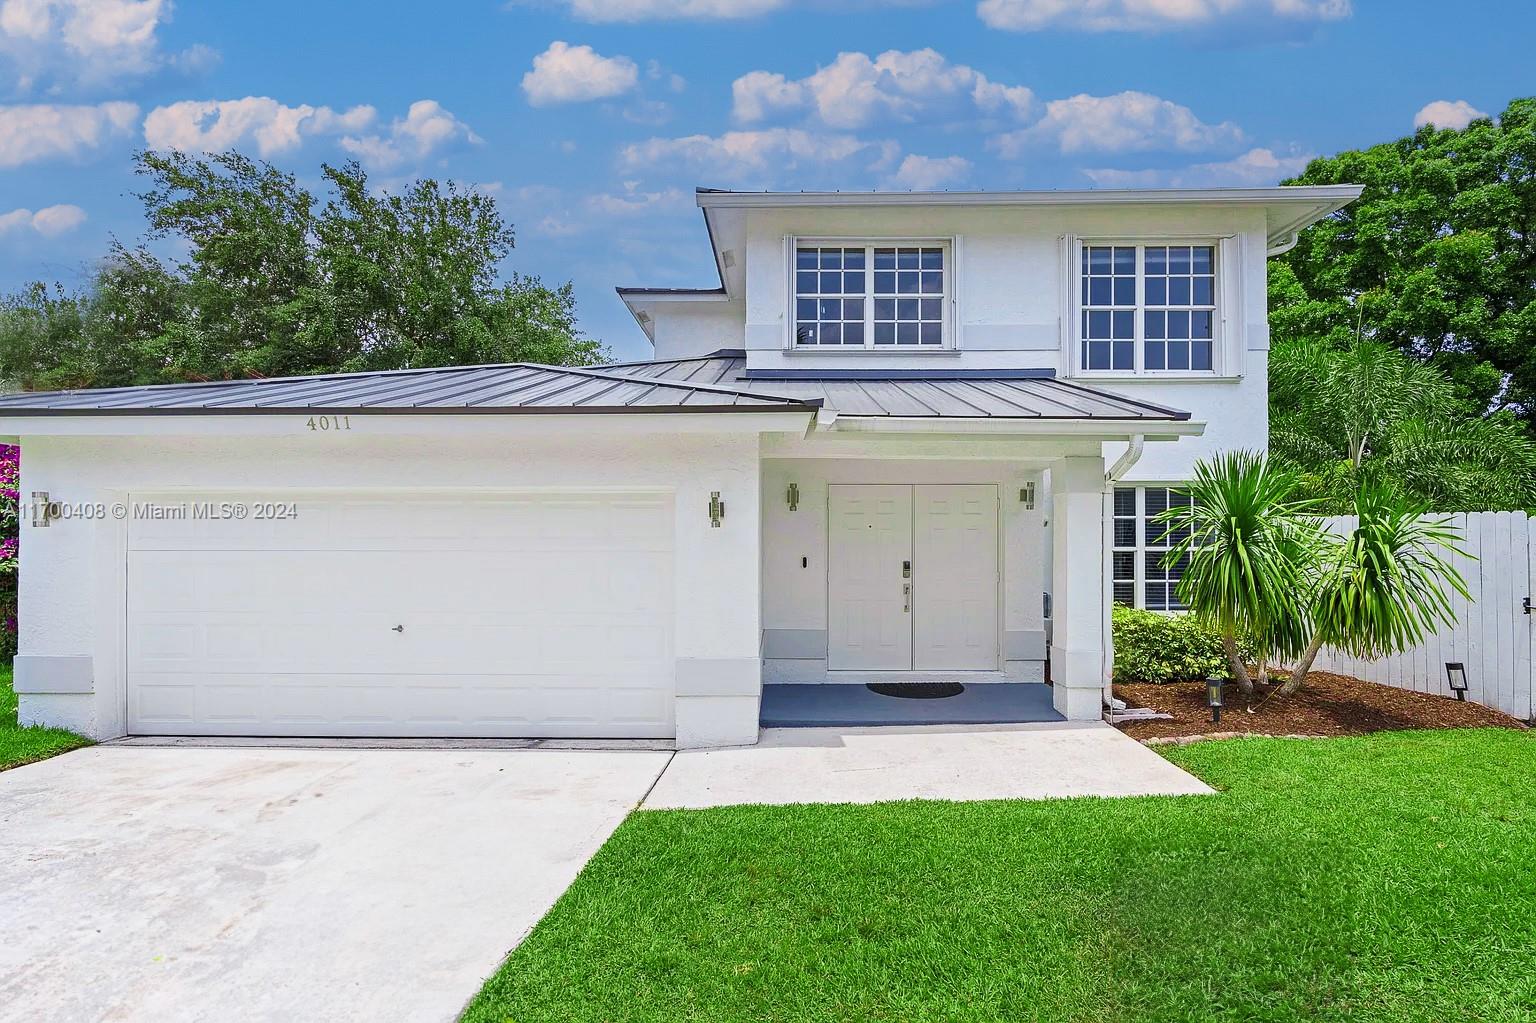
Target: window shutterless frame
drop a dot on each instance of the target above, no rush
(870, 295)
(1140, 307)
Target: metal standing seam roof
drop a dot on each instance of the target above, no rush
(938, 395)
(526, 388)
(711, 383)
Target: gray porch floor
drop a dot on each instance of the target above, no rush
(846, 704)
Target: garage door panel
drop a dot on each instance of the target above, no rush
(557, 623)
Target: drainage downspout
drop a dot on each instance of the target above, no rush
(1123, 464)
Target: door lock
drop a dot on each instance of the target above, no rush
(906, 594)
(906, 569)
(398, 628)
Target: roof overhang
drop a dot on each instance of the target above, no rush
(1288, 208)
(280, 423)
(1091, 429)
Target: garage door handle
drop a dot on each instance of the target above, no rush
(398, 628)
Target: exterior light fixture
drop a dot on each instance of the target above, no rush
(1456, 676)
(794, 497)
(1213, 687)
(716, 509)
(1027, 495)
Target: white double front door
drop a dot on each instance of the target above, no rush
(912, 577)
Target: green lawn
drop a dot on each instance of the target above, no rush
(1388, 878)
(24, 745)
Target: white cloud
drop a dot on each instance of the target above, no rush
(856, 90)
(1126, 122)
(1447, 113)
(652, 10)
(425, 129)
(739, 154)
(1151, 15)
(48, 221)
(88, 40)
(925, 173)
(1254, 168)
(29, 133)
(632, 201)
(212, 126)
(576, 74)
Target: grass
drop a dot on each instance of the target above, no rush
(1389, 877)
(27, 745)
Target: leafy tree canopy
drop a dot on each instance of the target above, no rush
(273, 283)
(1342, 416)
(1437, 259)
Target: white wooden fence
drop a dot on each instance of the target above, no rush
(1494, 635)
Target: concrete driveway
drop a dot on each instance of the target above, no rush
(287, 884)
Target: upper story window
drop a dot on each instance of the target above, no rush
(1148, 308)
(886, 296)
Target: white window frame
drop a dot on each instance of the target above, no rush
(1218, 320)
(948, 243)
(1140, 549)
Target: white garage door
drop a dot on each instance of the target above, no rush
(403, 615)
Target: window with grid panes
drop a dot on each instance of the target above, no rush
(871, 296)
(1148, 308)
(1139, 544)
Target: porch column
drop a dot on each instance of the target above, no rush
(1078, 630)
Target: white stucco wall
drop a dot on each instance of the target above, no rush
(684, 329)
(795, 597)
(72, 572)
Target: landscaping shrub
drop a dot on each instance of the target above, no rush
(1153, 647)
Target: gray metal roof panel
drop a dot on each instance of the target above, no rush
(510, 388)
(947, 393)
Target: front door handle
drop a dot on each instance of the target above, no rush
(906, 594)
(398, 628)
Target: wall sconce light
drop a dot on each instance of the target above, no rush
(1027, 495)
(1213, 687)
(716, 509)
(1456, 677)
(794, 497)
(44, 511)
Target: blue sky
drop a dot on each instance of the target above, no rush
(591, 121)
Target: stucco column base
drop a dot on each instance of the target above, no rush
(1078, 703)
(705, 721)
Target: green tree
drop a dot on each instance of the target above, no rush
(273, 283)
(1260, 563)
(1437, 258)
(1382, 588)
(1245, 542)
(1339, 415)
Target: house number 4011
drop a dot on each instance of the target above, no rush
(329, 423)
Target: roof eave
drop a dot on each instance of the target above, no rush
(1095, 428)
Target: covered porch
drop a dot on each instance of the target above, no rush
(969, 560)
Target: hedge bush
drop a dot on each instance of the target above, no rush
(1153, 647)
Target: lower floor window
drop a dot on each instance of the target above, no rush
(1139, 544)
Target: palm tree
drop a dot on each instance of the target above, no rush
(1383, 589)
(1245, 543)
(1341, 415)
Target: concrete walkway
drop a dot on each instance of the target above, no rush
(870, 765)
(287, 884)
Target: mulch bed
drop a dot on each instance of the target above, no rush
(1327, 704)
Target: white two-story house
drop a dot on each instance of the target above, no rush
(907, 437)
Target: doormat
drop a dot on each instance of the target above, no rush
(916, 690)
